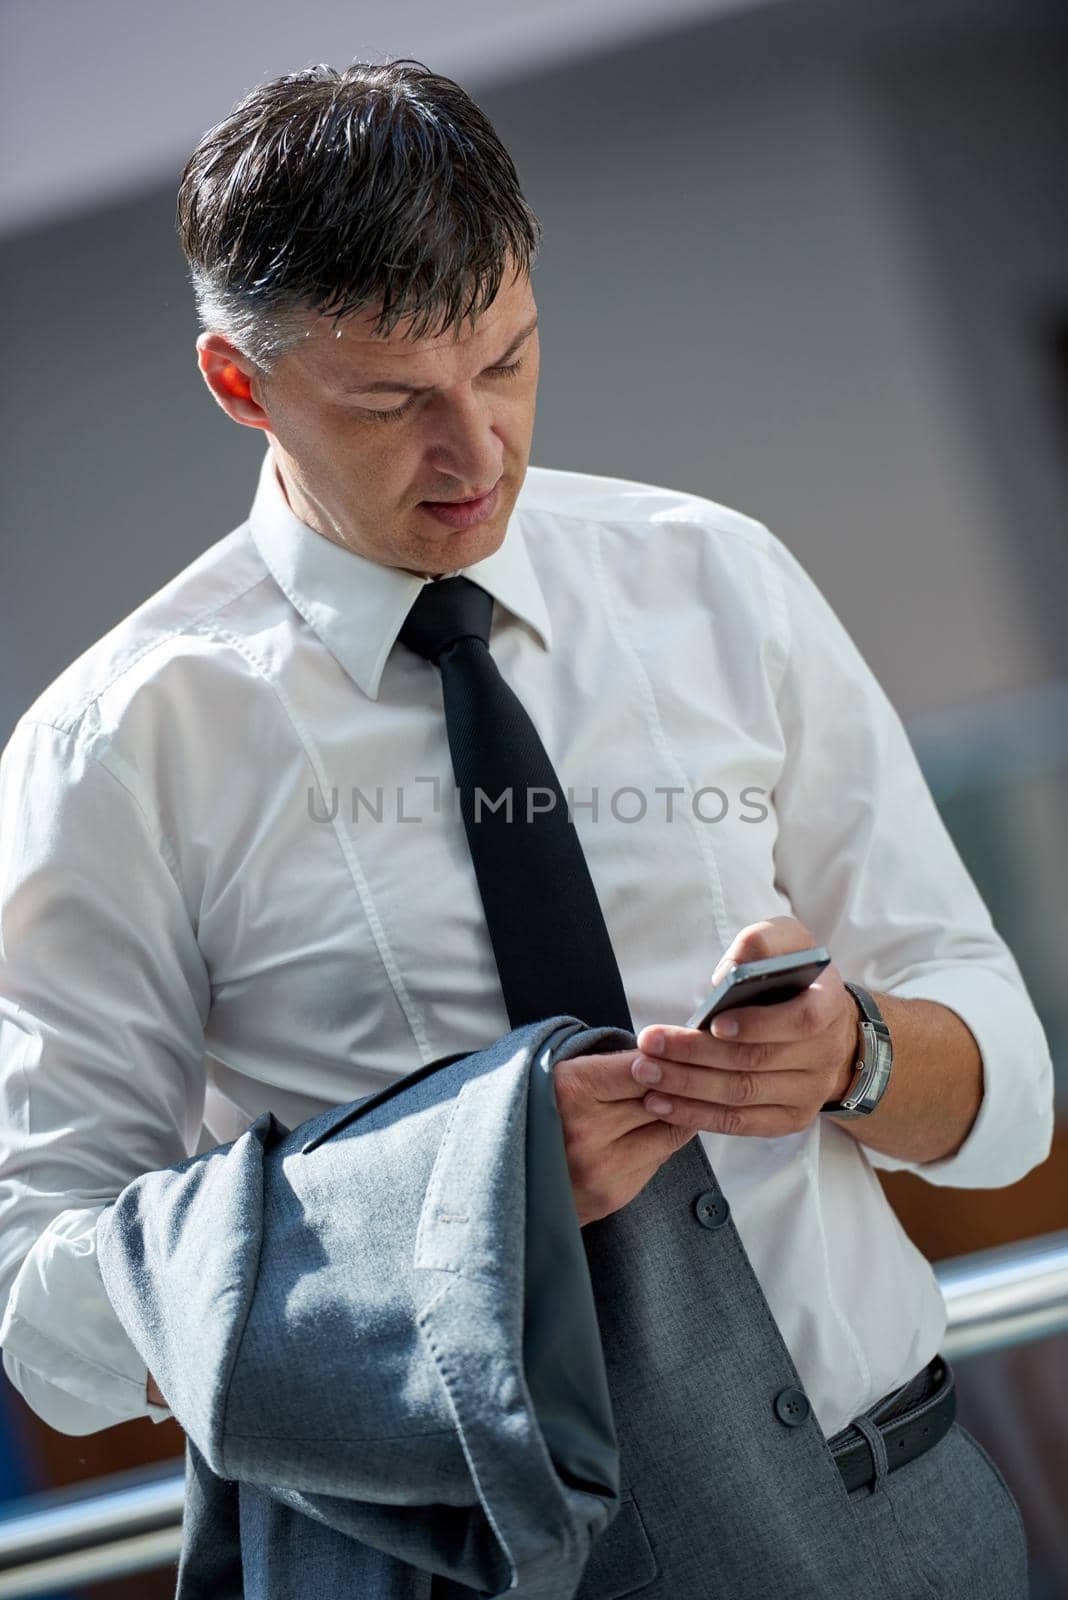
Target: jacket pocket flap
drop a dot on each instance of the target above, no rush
(622, 1560)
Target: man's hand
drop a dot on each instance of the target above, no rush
(613, 1143)
(764, 1070)
(789, 1059)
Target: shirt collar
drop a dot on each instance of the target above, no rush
(358, 606)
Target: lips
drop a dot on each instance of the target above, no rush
(468, 500)
(461, 514)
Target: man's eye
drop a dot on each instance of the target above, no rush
(400, 411)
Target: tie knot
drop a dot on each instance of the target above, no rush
(451, 609)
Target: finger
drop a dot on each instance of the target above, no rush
(697, 1047)
(598, 1097)
(652, 1143)
(600, 1078)
(806, 1015)
(774, 936)
(611, 1175)
(715, 1086)
(762, 1122)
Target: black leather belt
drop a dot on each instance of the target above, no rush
(917, 1416)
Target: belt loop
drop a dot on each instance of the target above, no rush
(877, 1446)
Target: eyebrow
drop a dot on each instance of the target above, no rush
(386, 386)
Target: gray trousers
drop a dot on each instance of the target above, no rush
(723, 1500)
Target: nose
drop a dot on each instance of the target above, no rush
(465, 445)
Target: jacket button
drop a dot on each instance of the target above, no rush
(711, 1209)
(792, 1407)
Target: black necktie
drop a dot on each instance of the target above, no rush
(549, 938)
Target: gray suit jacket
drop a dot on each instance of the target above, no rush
(379, 1334)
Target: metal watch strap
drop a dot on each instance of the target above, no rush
(873, 1068)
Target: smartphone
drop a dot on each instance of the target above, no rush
(762, 983)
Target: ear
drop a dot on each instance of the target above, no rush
(232, 379)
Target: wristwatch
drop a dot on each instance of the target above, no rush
(873, 1068)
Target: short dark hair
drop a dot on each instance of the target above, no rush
(334, 192)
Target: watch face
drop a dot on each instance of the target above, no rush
(873, 1072)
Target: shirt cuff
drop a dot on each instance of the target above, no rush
(63, 1341)
(63, 1410)
(1013, 1131)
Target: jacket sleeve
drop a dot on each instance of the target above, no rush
(867, 863)
(179, 1253)
(103, 998)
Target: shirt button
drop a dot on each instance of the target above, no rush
(792, 1407)
(711, 1209)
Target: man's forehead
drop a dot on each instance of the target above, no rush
(346, 354)
(355, 331)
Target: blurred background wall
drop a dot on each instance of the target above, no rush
(806, 259)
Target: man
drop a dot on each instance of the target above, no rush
(233, 879)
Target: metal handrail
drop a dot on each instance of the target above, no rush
(127, 1522)
(994, 1298)
(1005, 1296)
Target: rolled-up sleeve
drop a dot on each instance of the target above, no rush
(103, 999)
(867, 863)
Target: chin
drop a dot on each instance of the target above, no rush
(462, 549)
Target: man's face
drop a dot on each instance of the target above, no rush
(359, 454)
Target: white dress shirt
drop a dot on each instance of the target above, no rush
(224, 887)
